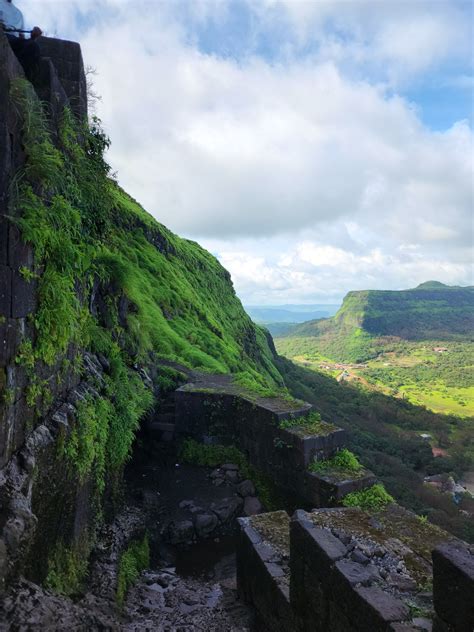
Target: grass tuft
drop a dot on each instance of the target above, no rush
(374, 498)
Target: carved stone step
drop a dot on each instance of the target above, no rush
(166, 418)
(160, 426)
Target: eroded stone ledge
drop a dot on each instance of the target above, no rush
(354, 571)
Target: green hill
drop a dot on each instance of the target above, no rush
(431, 311)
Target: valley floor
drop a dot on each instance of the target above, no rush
(437, 375)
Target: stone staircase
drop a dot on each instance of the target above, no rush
(161, 427)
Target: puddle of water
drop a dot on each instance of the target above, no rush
(208, 558)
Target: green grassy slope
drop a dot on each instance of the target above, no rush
(112, 280)
(432, 311)
(86, 229)
(395, 335)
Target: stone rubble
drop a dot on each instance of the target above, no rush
(218, 518)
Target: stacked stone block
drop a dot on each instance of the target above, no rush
(263, 575)
(347, 572)
(254, 427)
(453, 587)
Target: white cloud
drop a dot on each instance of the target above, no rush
(330, 180)
(308, 271)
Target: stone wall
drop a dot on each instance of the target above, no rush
(253, 426)
(263, 575)
(38, 503)
(353, 571)
(330, 592)
(61, 81)
(453, 587)
(69, 76)
(17, 297)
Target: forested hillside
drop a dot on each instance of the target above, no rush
(432, 311)
(385, 433)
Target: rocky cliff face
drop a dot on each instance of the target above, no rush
(93, 292)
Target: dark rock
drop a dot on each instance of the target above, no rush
(246, 488)
(359, 557)
(357, 573)
(232, 476)
(453, 586)
(180, 532)
(228, 509)
(275, 569)
(402, 582)
(423, 623)
(344, 537)
(230, 467)
(376, 524)
(252, 506)
(384, 605)
(205, 524)
(186, 504)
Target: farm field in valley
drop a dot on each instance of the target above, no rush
(438, 375)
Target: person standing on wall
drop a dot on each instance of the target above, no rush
(26, 50)
(11, 18)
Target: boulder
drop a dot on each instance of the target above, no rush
(205, 524)
(252, 506)
(232, 476)
(246, 488)
(228, 509)
(181, 532)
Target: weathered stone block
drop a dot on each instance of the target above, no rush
(356, 573)
(19, 253)
(331, 593)
(23, 295)
(10, 334)
(311, 447)
(453, 586)
(326, 491)
(5, 291)
(67, 59)
(261, 579)
(50, 89)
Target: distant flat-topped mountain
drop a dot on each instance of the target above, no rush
(431, 311)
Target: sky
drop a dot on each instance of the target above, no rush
(313, 147)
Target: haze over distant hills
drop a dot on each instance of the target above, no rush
(290, 313)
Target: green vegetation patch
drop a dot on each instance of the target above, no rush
(374, 498)
(310, 424)
(344, 464)
(133, 561)
(67, 567)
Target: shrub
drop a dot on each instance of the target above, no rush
(310, 424)
(67, 568)
(344, 460)
(374, 498)
(134, 560)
